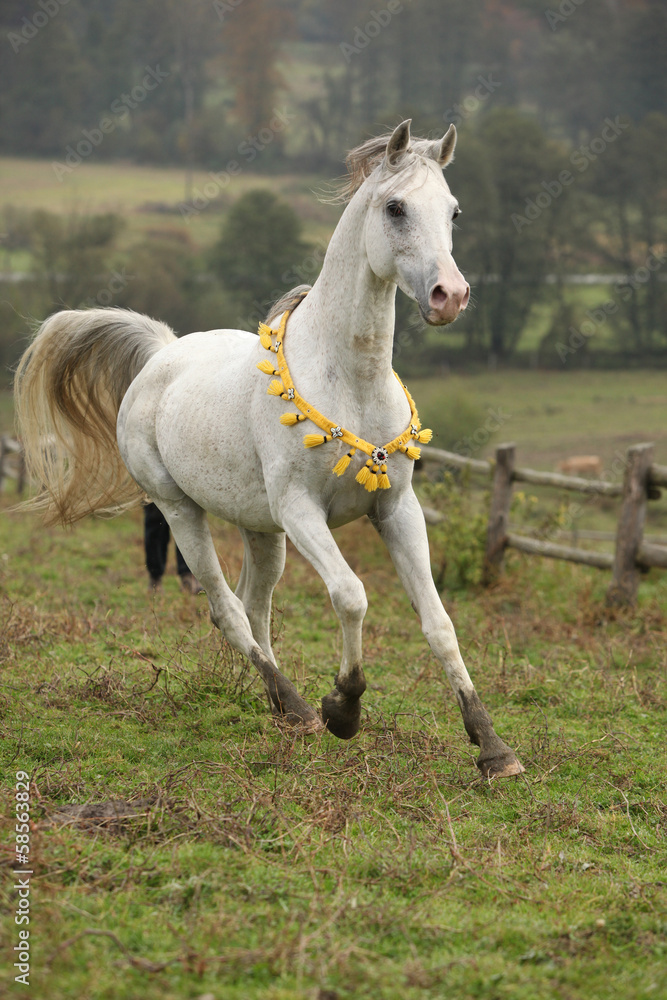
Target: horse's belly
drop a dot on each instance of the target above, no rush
(222, 480)
(217, 471)
(203, 439)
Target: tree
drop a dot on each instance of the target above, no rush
(257, 252)
(628, 180)
(42, 97)
(505, 177)
(254, 31)
(72, 254)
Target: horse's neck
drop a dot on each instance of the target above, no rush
(350, 311)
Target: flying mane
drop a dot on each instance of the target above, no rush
(362, 161)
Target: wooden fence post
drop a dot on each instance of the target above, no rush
(3, 456)
(21, 478)
(623, 589)
(501, 499)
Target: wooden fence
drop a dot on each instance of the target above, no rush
(633, 554)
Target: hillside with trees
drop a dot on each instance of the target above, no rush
(559, 169)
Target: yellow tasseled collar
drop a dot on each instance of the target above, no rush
(373, 474)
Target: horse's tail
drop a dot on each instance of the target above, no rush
(68, 389)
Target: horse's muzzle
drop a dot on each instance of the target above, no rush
(445, 303)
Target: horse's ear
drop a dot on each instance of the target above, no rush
(443, 151)
(399, 142)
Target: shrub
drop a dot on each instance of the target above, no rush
(259, 245)
(458, 541)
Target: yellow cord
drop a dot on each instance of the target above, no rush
(372, 475)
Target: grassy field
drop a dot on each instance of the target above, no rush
(134, 192)
(256, 864)
(149, 198)
(552, 415)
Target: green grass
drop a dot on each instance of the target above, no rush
(552, 415)
(263, 865)
(128, 189)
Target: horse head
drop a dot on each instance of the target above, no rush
(410, 219)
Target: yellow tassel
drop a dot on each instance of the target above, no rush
(383, 478)
(414, 453)
(264, 332)
(363, 475)
(289, 419)
(341, 465)
(312, 440)
(371, 483)
(425, 436)
(267, 368)
(276, 388)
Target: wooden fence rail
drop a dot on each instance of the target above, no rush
(633, 553)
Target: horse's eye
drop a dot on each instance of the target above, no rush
(457, 212)
(395, 209)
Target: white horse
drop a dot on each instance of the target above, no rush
(198, 432)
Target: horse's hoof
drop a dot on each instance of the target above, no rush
(298, 716)
(503, 766)
(341, 715)
(304, 724)
(309, 728)
(286, 703)
(190, 584)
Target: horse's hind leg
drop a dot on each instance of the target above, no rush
(263, 565)
(192, 535)
(306, 526)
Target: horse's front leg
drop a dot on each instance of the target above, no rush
(306, 526)
(401, 526)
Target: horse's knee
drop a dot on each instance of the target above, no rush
(229, 616)
(350, 602)
(441, 637)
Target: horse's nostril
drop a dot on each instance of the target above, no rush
(466, 297)
(438, 297)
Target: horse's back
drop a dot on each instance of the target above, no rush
(198, 359)
(211, 347)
